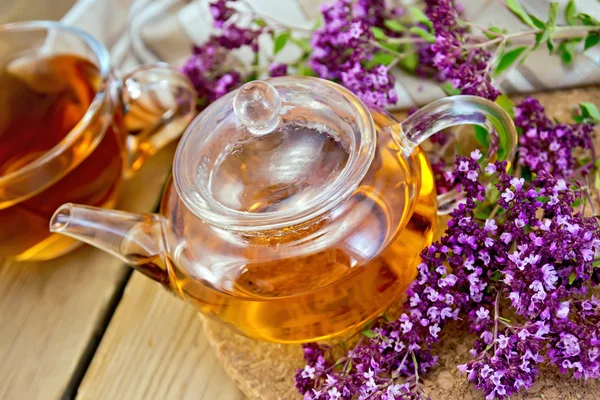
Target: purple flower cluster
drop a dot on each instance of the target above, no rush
(220, 12)
(343, 46)
(452, 58)
(551, 257)
(543, 254)
(546, 146)
(277, 69)
(576, 348)
(206, 65)
(373, 12)
(203, 68)
(439, 169)
(511, 365)
(533, 255)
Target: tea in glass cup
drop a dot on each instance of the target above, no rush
(63, 134)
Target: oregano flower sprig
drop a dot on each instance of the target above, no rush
(358, 43)
(518, 259)
(533, 260)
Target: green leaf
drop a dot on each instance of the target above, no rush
(587, 19)
(482, 135)
(419, 16)
(481, 215)
(305, 70)
(571, 13)
(369, 333)
(394, 47)
(540, 25)
(496, 30)
(552, 13)
(378, 33)
(572, 278)
(508, 58)
(493, 194)
(506, 103)
(589, 110)
(550, 26)
(496, 276)
(597, 180)
(280, 42)
(318, 22)
(585, 160)
(303, 43)
(349, 367)
(260, 22)
(526, 174)
(537, 22)
(567, 50)
(409, 62)
(449, 89)
(394, 25)
(381, 57)
(578, 118)
(591, 40)
(417, 30)
(517, 9)
(538, 40)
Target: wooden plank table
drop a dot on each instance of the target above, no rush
(83, 327)
(53, 315)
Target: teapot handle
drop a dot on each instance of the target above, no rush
(159, 102)
(460, 110)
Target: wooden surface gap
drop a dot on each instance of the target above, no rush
(90, 351)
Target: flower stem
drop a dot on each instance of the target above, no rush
(496, 318)
(409, 40)
(402, 362)
(493, 59)
(482, 28)
(397, 54)
(352, 355)
(564, 32)
(506, 324)
(416, 365)
(494, 211)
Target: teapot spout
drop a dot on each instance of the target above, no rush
(137, 239)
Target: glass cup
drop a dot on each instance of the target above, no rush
(73, 129)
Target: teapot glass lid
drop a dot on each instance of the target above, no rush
(274, 153)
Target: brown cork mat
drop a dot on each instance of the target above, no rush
(265, 371)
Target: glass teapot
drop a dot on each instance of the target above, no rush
(294, 213)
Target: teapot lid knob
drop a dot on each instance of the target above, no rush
(256, 106)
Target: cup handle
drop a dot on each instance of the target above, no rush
(460, 110)
(159, 103)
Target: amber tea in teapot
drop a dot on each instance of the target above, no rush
(292, 298)
(295, 213)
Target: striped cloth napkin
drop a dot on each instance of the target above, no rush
(142, 31)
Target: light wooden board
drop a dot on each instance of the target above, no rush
(154, 348)
(50, 312)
